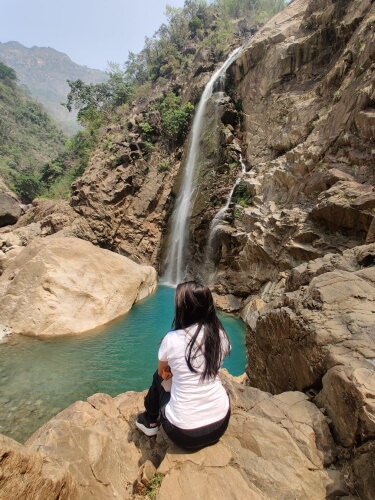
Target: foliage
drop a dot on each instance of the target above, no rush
(175, 117)
(163, 57)
(26, 185)
(256, 9)
(241, 195)
(7, 73)
(164, 166)
(164, 54)
(28, 137)
(91, 98)
(146, 129)
(57, 175)
(154, 486)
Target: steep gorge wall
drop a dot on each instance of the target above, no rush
(306, 89)
(299, 251)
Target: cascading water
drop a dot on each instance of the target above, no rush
(219, 217)
(177, 253)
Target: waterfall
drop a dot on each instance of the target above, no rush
(221, 213)
(176, 259)
(243, 166)
(219, 217)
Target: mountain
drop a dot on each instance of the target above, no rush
(45, 72)
(29, 138)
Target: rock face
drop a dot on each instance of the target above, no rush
(127, 209)
(318, 335)
(325, 317)
(305, 90)
(275, 447)
(58, 286)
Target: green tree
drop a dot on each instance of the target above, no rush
(90, 99)
(175, 117)
(27, 185)
(7, 73)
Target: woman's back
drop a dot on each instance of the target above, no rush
(193, 400)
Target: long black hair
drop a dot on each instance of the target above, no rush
(194, 305)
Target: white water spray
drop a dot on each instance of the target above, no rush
(219, 217)
(178, 246)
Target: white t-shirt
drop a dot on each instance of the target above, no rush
(194, 403)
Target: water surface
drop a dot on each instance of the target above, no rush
(39, 378)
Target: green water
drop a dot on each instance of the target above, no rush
(39, 378)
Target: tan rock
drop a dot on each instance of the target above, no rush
(362, 470)
(7, 257)
(25, 473)
(365, 122)
(262, 455)
(228, 302)
(94, 441)
(250, 460)
(327, 320)
(370, 238)
(338, 206)
(345, 387)
(321, 331)
(58, 286)
(46, 217)
(10, 209)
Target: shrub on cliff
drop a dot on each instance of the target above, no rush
(175, 117)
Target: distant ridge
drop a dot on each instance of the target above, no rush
(44, 71)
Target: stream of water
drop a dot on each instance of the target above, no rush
(176, 258)
(39, 378)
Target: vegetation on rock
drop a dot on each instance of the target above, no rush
(44, 72)
(28, 136)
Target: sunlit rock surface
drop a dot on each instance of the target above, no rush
(58, 286)
(274, 447)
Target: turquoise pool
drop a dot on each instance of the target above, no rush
(39, 378)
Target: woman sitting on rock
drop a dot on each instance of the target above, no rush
(196, 412)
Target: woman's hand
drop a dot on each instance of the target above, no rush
(162, 365)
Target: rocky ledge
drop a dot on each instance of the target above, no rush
(316, 334)
(275, 447)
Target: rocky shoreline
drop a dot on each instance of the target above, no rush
(275, 447)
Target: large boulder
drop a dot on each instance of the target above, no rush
(275, 447)
(58, 286)
(10, 209)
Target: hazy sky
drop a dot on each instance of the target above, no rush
(90, 32)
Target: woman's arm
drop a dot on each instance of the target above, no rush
(162, 365)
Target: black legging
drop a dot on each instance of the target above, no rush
(189, 439)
